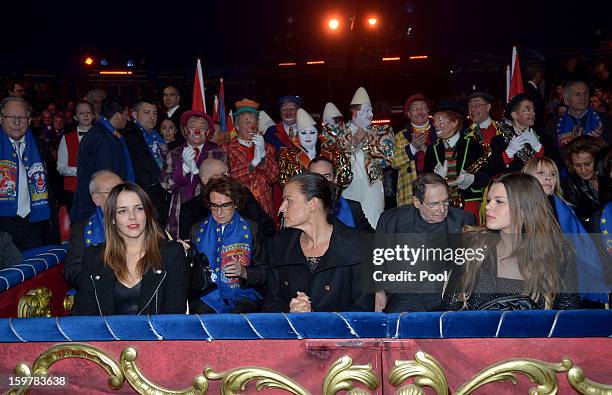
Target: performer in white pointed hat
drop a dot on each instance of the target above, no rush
(332, 116)
(308, 144)
(265, 122)
(371, 148)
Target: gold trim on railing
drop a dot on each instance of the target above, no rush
(36, 303)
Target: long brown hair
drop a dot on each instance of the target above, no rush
(540, 248)
(114, 252)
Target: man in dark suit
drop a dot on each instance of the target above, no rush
(194, 210)
(101, 148)
(359, 221)
(431, 216)
(535, 76)
(148, 151)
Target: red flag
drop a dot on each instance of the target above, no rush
(515, 83)
(199, 100)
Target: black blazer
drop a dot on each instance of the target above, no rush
(401, 220)
(145, 167)
(162, 292)
(334, 286)
(361, 222)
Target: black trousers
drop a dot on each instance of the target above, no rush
(26, 235)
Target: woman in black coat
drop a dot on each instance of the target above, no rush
(315, 264)
(136, 271)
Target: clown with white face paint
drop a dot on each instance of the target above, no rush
(307, 145)
(370, 149)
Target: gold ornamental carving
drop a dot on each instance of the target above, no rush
(36, 303)
(341, 377)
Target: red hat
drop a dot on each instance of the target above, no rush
(188, 114)
(412, 99)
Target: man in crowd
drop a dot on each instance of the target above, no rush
(16, 89)
(535, 76)
(148, 151)
(285, 129)
(171, 99)
(195, 210)
(90, 232)
(483, 127)
(411, 145)
(25, 201)
(251, 160)
(346, 210)
(96, 98)
(579, 119)
(430, 216)
(101, 148)
(68, 150)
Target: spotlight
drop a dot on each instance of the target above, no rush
(103, 62)
(130, 63)
(333, 24)
(372, 21)
(89, 61)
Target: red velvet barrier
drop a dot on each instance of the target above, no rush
(174, 364)
(52, 279)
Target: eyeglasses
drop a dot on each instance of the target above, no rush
(222, 206)
(476, 105)
(442, 204)
(16, 118)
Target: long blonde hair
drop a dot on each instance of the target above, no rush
(539, 245)
(114, 252)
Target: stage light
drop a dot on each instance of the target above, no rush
(372, 21)
(287, 64)
(89, 61)
(315, 62)
(116, 72)
(391, 59)
(103, 62)
(130, 63)
(333, 24)
(419, 57)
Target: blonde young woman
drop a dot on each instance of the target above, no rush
(528, 264)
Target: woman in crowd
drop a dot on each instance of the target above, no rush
(234, 249)
(315, 264)
(136, 271)
(588, 263)
(168, 130)
(581, 189)
(529, 264)
(179, 174)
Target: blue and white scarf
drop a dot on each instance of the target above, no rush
(568, 125)
(36, 174)
(155, 143)
(221, 247)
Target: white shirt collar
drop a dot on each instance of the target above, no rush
(486, 123)
(453, 140)
(246, 143)
(21, 140)
(171, 111)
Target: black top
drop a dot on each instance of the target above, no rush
(489, 286)
(582, 196)
(9, 253)
(335, 283)
(162, 291)
(126, 299)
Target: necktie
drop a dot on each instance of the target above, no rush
(81, 134)
(291, 132)
(197, 153)
(23, 193)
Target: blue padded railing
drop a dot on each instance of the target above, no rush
(35, 262)
(479, 324)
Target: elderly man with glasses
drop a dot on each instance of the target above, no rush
(431, 217)
(25, 201)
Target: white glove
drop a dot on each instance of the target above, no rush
(194, 167)
(515, 145)
(441, 169)
(532, 140)
(463, 181)
(259, 142)
(188, 158)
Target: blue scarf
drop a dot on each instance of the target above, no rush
(344, 213)
(155, 142)
(129, 169)
(591, 283)
(604, 224)
(94, 230)
(567, 124)
(234, 243)
(9, 177)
